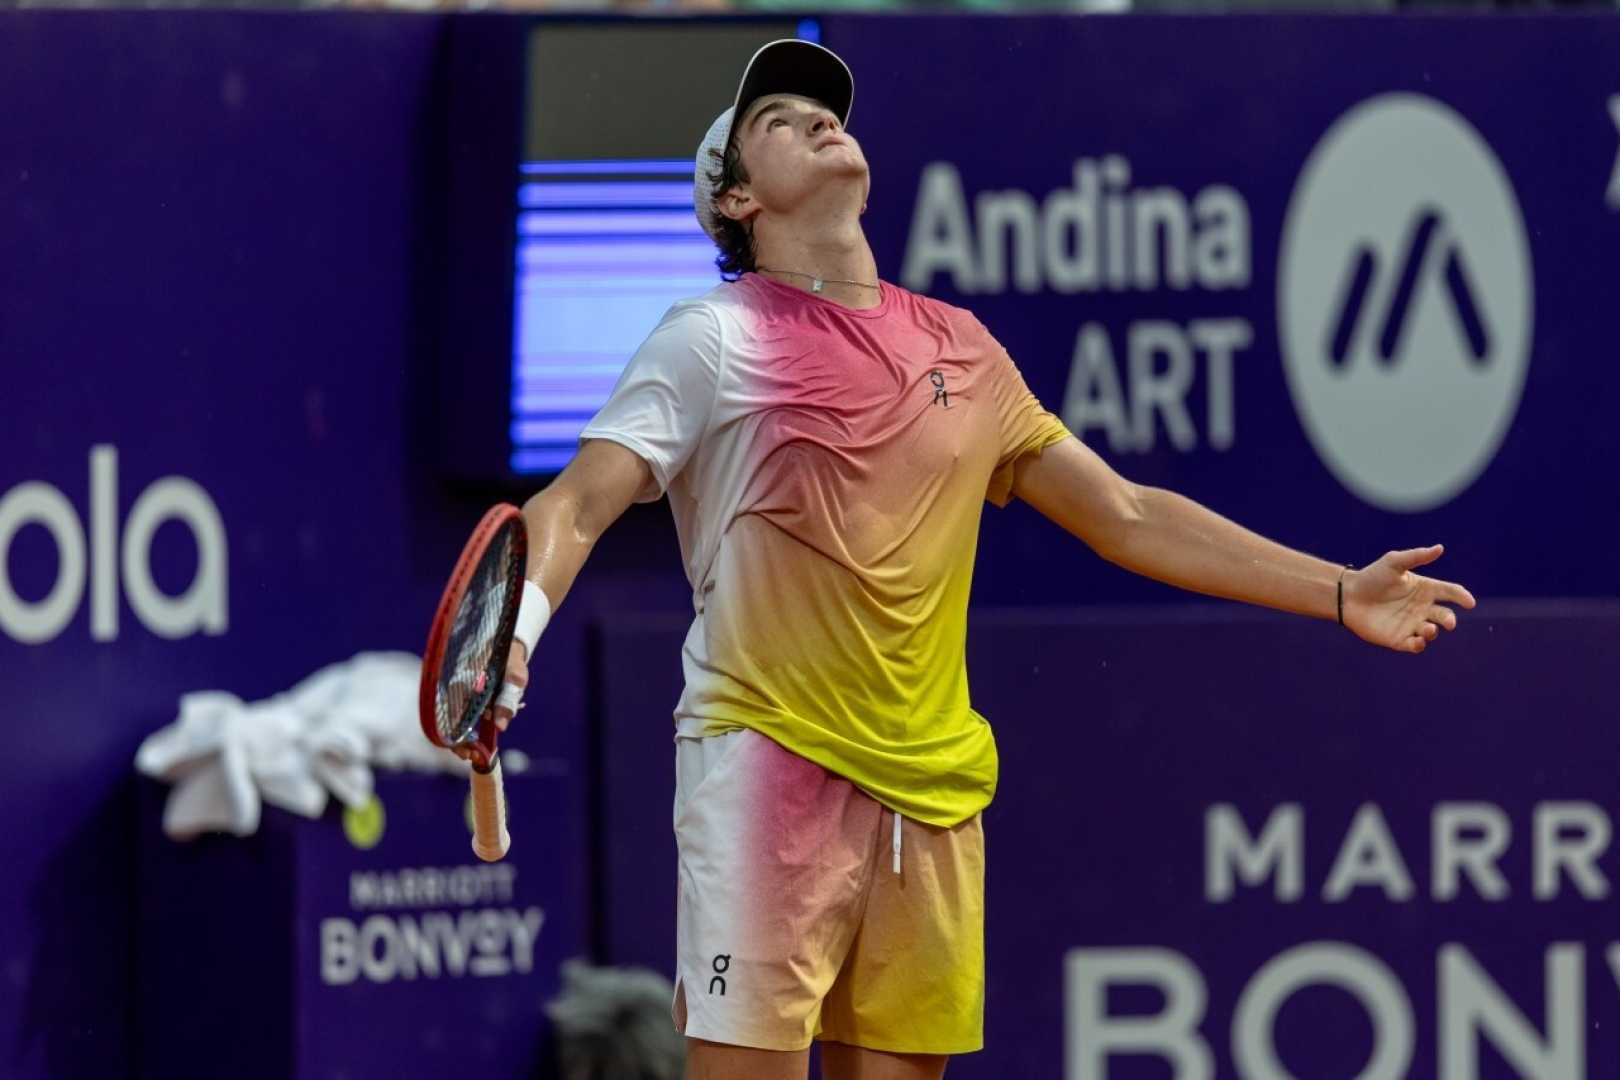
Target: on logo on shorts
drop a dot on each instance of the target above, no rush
(722, 964)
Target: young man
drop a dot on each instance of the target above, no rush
(827, 441)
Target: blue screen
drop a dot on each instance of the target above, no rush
(604, 247)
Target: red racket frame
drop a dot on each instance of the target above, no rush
(482, 747)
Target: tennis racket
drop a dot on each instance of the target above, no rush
(465, 663)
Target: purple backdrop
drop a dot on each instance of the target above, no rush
(219, 236)
(1144, 755)
(222, 316)
(311, 949)
(986, 140)
(210, 265)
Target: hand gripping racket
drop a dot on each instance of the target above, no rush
(465, 663)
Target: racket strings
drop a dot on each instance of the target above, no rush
(471, 674)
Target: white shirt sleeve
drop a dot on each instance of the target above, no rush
(661, 405)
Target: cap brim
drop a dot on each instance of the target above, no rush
(791, 66)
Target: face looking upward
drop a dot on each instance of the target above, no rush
(796, 154)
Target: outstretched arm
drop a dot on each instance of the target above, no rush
(1170, 538)
(571, 513)
(564, 522)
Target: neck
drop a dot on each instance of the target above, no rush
(832, 249)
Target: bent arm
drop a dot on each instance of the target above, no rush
(1169, 537)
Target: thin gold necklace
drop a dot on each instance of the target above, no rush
(816, 283)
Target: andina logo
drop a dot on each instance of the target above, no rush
(1404, 301)
(201, 606)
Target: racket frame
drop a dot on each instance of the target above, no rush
(481, 748)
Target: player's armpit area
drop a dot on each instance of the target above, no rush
(1069, 484)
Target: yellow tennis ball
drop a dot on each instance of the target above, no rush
(364, 825)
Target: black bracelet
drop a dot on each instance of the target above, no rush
(1347, 566)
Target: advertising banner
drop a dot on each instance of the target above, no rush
(1347, 281)
(210, 257)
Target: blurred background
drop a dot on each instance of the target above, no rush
(288, 297)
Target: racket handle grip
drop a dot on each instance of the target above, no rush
(490, 838)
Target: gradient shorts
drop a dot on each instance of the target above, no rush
(793, 923)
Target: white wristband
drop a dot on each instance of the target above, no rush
(533, 614)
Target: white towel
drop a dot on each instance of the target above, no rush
(225, 757)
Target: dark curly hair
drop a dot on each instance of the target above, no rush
(736, 238)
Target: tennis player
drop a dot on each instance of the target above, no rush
(827, 441)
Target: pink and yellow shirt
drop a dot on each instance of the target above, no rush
(826, 467)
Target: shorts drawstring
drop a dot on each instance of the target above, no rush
(896, 842)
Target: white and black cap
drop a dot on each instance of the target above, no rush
(785, 66)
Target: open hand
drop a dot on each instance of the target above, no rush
(1386, 604)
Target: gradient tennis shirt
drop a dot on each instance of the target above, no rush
(826, 468)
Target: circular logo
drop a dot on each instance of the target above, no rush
(364, 825)
(1404, 301)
